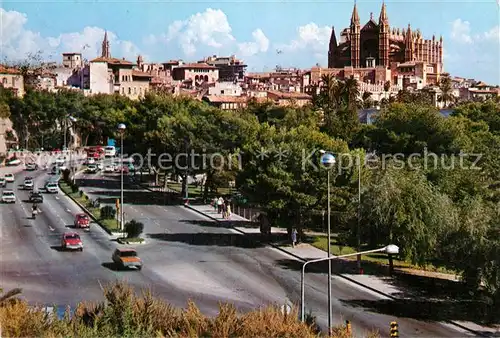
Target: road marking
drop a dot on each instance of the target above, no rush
(67, 210)
(57, 197)
(51, 228)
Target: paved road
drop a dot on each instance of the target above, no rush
(204, 260)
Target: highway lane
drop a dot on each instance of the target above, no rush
(253, 274)
(30, 258)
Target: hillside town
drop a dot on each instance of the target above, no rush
(383, 59)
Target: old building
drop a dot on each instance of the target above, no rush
(376, 52)
(230, 68)
(72, 60)
(195, 73)
(225, 88)
(110, 75)
(12, 79)
(289, 98)
(226, 102)
(289, 80)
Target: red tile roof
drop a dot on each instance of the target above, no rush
(289, 95)
(113, 61)
(197, 66)
(138, 73)
(7, 70)
(226, 99)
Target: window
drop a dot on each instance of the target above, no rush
(123, 90)
(135, 90)
(129, 90)
(4, 81)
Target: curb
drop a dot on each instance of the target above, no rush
(477, 333)
(87, 212)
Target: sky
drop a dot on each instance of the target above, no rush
(265, 34)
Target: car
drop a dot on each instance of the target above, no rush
(51, 187)
(3, 182)
(71, 241)
(60, 160)
(36, 197)
(8, 196)
(92, 168)
(13, 162)
(82, 221)
(9, 178)
(28, 183)
(90, 160)
(127, 258)
(109, 169)
(31, 166)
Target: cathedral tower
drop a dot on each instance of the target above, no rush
(355, 31)
(409, 46)
(332, 49)
(106, 53)
(384, 32)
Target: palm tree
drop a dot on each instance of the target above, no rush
(367, 101)
(351, 90)
(446, 90)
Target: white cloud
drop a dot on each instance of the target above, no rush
(209, 28)
(18, 43)
(259, 45)
(461, 32)
(471, 54)
(311, 37)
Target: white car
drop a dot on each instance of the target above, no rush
(90, 160)
(8, 196)
(60, 160)
(28, 184)
(92, 168)
(52, 187)
(100, 166)
(109, 169)
(9, 178)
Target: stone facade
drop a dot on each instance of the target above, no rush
(12, 79)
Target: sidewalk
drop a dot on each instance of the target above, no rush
(304, 252)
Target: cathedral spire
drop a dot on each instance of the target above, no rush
(106, 53)
(332, 49)
(383, 18)
(355, 15)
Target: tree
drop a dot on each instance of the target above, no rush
(401, 207)
(446, 88)
(134, 228)
(280, 172)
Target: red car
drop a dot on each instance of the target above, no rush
(82, 221)
(71, 241)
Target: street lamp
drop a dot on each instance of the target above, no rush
(390, 249)
(121, 130)
(328, 161)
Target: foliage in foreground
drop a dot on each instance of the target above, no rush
(126, 314)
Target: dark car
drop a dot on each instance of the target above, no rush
(36, 197)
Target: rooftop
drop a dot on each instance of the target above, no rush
(226, 99)
(113, 61)
(138, 73)
(197, 66)
(72, 53)
(290, 95)
(8, 70)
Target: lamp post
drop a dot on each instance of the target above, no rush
(390, 249)
(358, 231)
(328, 161)
(121, 130)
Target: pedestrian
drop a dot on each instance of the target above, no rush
(224, 208)
(220, 202)
(294, 237)
(214, 203)
(228, 211)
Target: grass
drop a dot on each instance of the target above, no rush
(380, 259)
(123, 313)
(109, 224)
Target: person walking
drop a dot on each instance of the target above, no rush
(214, 203)
(294, 237)
(228, 211)
(220, 202)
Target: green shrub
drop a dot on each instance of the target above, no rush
(127, 314)
(133, 228)
(74, 188)
(108, 212)
(81, 193)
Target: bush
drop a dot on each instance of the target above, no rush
(108, 212)
(125, 314)
(81, 193)
(74, 188)
(133, 228)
